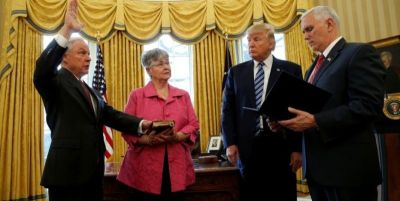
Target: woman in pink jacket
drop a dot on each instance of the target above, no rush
(160, 167)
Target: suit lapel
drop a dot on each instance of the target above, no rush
(273, 76)
(74, 85)
(330, 58)
(98, 102)
(246, 77)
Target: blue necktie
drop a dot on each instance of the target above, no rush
(259, 88)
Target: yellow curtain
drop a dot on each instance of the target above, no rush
(298, 51)
(123, 72)
(143, 21)
(21, 127)
(209, 58)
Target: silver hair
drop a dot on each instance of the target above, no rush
(323, 13)
(153, 55)
(72, 41)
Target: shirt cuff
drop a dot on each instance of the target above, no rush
(61, 40)
(140, 130)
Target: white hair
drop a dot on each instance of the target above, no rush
(323, 13)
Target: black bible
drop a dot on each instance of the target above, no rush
(291, 91)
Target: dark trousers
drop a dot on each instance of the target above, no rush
(90, 191)
(267, 174)
(328, 193)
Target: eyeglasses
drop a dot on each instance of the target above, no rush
(161, 64)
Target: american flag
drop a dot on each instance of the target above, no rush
(99, 83)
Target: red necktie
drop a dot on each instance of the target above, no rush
(317, 67)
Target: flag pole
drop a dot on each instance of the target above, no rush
(98, 37)
(228, 62)
(99, 84)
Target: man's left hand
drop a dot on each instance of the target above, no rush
(301, 122)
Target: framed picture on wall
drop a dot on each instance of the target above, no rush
(390, 45)
(215, 144)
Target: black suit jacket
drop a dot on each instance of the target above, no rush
(238, 124)
(77, 146)
(342, 151)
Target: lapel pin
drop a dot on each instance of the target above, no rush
(278, 69)
(329, 59)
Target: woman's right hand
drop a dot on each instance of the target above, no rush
(162, 137)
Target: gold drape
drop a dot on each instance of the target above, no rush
(298, 52)
(123, 72)
(21, 127)
(208, 67)
(142, 21)
(297, 49)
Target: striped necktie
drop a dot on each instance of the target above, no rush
(259, 88)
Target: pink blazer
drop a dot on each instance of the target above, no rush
(142, 166)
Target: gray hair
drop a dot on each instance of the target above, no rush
(323, 13)
(153, 55)
(72, 41)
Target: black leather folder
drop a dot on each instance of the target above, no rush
(290, 91)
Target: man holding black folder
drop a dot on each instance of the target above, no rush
(247, 138)
(339, 144)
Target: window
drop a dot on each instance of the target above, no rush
(180, 57)
(279, 51)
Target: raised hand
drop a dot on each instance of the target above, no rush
(71, 22)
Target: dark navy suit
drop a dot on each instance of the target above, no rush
(342, 151)
(264, 159)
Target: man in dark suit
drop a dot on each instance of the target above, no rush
(74, 167)
(246, 136)
(340, 147)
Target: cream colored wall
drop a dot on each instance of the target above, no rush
(366, 20)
